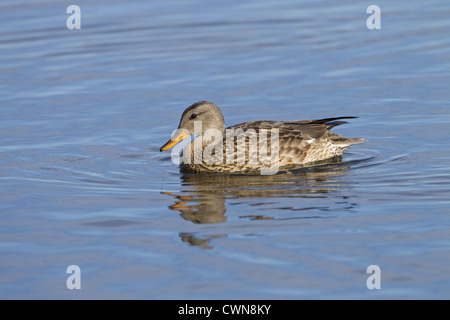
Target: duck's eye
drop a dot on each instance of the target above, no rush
(193, 116)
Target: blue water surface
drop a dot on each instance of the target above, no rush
(84, 112)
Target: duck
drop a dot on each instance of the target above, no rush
(262, 146)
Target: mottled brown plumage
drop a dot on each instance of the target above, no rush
(251, 146)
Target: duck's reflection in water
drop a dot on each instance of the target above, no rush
(204, 200)
(199, 241)
(202, 206)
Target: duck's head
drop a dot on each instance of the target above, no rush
(206, 113)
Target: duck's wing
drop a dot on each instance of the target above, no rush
(299, 141)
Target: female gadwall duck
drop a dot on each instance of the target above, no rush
(266, 146)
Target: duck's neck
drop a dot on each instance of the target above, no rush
(202, 146)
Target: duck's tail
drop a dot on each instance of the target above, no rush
(347, 142)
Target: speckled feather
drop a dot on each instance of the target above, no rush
(300, 143)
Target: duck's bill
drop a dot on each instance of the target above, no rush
(178, 136)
